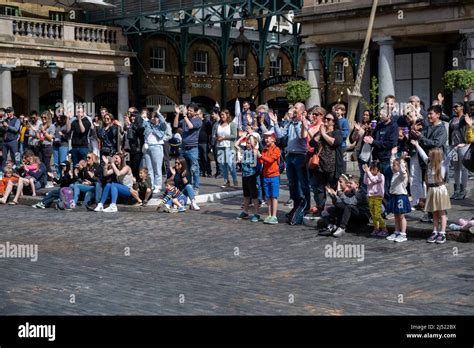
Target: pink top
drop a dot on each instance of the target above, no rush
(375, 184)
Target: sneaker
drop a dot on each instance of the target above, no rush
(393, 236)
(72, 205)
(166, 208)
(181, 210)
(383, 234)
(196, 192)
(332, 228)
(255, 218)
(156, 191)
(289, 203)
(100, 207)
(111, 209)
(49, 184)
(172, 210)
(39, 205)
(267, 220)
(263, 204)
(313, 210)
(144, 203)
(402, 237)
(326, 232)
(226, 185)
(471, 229)
(339, 232)
(441, 238)
(432, 238)
(242, 215)
(194, 205)
(273, 220)
(375, 232)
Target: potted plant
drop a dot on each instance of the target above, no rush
(459, 80)
(297, 91)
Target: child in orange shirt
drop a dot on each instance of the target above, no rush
(270, 158)
(8, 176)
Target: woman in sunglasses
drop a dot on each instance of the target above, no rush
(45, 136)
(89, 181)
(328, 143)
(108, 135)
(458, 148)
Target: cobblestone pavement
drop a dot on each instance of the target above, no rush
(208, 263)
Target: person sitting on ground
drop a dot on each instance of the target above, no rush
(180, 178)
(122, 187)
(32, 179)
(173, 199)
(89, 180)
(66, 179)
(7, 177)
(350, 207)
(142, 189)
(462, 225)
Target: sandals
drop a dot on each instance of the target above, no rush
(13, 203)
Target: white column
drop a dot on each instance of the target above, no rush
(123, 98)
(469, 33)
(68, 89)
(386, 67)
(6, 85)
(313, 70)
(33, 91)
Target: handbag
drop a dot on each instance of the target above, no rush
(365, 153)
(468, 160)
(314, 160)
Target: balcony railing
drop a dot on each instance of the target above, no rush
(69, 34)
(329, 6)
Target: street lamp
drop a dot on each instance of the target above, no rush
(273, 48)
(241, 45)
(52, 68)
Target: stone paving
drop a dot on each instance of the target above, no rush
(207, 262)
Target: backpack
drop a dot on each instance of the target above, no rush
(66, 199)
(296, 215)
(281, 164)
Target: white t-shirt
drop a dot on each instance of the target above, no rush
(223, 131)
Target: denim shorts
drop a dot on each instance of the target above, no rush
(271, 186)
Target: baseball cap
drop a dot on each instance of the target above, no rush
(270, 133)
(9, 109)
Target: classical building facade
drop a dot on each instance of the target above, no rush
(94, 61)
(413, 44)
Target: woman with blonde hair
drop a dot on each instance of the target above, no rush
(224, 136)
(45, 136)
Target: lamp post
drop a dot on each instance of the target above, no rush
(273, 49)
(51, 67)
(241, 46)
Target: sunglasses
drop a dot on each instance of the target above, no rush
(329, 119)
(89, 157)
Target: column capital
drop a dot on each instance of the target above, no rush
(310, 47)
(384, 40)
(467, 32)
(124, 74)
(7, 66)
(70, 70)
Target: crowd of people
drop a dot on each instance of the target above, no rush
(403, 152)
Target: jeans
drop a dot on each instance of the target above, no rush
(22, 148)
(345, 214)
(135, 159)
(204, 163)
(225, 158)
(78, 153)
(191, 155)
(297, 173)
(88, 189)
(460, 172)
(188, 191)
(312, 184)
(417, 188)
(116, 190)
(11, 147)
(322, 180)
(59, 155)
(154, 163)
(50, 197)
(166, 159)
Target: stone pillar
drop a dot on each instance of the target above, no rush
(313, 71)
(6, 85)
(123, 99)
(68, 90)
(469, 33)
(386, 67)
(438, 57)
(33, 91)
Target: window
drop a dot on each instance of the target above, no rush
(275, 68)
(9, 10)
(339, 71)
(157, 58)
(413, 76)
(241, 69)
(57, 16)
(200, 62)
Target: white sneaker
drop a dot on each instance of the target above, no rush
(166, 208)
(339, 232)
(194, 205)
(111, 209)
(156, 190)
(402, 237)
(393, 236)
(100, 207)
(49, 184)
(196, 192)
